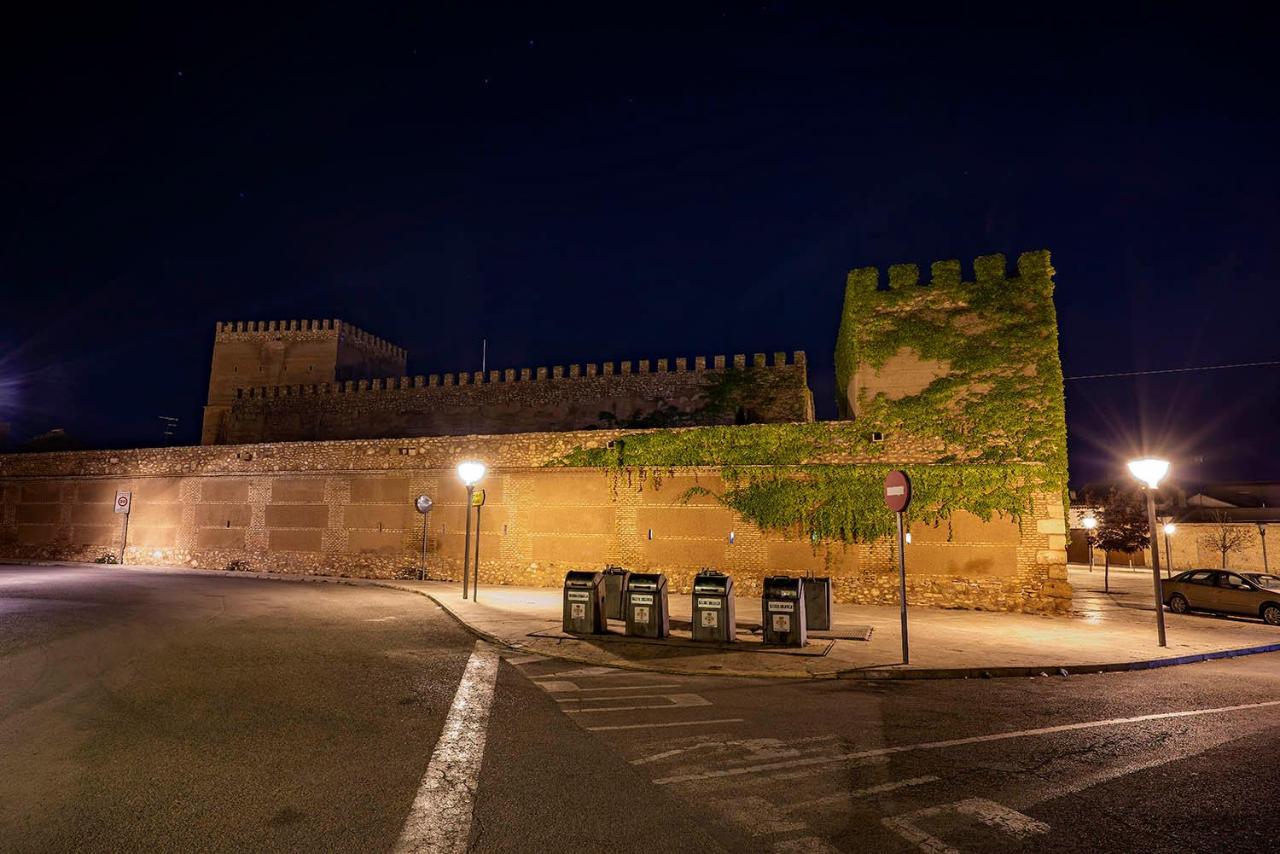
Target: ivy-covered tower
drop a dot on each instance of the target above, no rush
(959, 370)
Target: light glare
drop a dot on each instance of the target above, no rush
(1149, 471)
(471, 472)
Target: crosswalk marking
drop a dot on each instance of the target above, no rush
(957, 742)
(678, 701)
(664, 725)
(990, 813)
(571, 687)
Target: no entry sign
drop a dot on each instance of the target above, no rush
(897, 491)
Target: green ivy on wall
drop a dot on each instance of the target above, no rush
(997, 411)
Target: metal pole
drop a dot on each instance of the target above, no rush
(422, 571)
(1168, 557)
(466, 543)
(1262, 532)
(1155, 565)
(1106, 571)
(902, 591)
(1089, 542)
(475, 580)
(124, 536)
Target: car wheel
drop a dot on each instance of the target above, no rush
(1271, 613)
(1178, 604)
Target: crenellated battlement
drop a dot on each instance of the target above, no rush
(1033, 269)
(555, 374)
(240, 330)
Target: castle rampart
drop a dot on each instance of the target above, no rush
(286, 352)
(643, 393)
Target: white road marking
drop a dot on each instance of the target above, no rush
(837, 799)
(615, 697)
(750, 743)
(520, 660)
(667, 724)
(440, 819)
(678, 701)
(804, 845)
(571, 687)
(990, 813)
(957, 742)
(758, 817)
(380, 619)
(581, 671)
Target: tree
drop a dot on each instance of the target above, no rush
(1122, 522)
(1225, 537)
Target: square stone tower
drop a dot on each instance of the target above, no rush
(268, 353)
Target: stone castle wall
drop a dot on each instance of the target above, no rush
(345, 508)
(636, 394)
(287, 352)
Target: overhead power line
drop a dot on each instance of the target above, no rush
(1176, 370)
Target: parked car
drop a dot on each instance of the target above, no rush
(1255, 594)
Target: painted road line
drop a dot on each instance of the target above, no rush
(749, 743)
(521, 660)
(440, 819)
(580, 671)
(614, 698)
(867, 792)
(959, 742)
(805, 845)
(990, 813)
(571, 687)
(667, 724)
(678, 701)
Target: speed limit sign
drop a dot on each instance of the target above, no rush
(123, 499)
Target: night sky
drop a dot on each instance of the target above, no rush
(626, 181)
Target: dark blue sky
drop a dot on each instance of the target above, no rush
(636, 181)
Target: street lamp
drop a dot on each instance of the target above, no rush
(1150, 471)
(470, 473)
(1089, 523)
(1169, 530)
(1262, 532)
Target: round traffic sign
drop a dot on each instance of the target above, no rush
(897, 491)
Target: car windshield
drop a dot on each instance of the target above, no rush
(1269, 581)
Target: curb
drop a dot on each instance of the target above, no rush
(853, 674)
(1067, 670)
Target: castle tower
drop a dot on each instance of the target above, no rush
(261, 353)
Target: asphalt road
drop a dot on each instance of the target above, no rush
(147, 710)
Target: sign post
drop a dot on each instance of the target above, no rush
(477, 501)
(124, 502)
(423, 505)
(897, 497)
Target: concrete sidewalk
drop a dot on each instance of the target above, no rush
(1105, 631)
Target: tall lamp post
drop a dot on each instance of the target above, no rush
(1089, 523)
(1150, 471)
(1169, 530)
(470, 473)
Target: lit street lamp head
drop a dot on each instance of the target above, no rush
(1089, 523)
(1149, 471)
(471, 472)
(1170, 529)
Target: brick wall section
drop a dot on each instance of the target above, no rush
(661, 392)
(345, 508)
